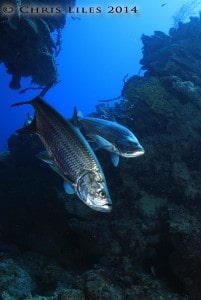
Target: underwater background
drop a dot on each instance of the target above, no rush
(97, 52)
(149, 245)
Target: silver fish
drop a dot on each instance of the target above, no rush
(111, 136)
(69, 154)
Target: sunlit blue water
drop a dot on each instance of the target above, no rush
(97, 52)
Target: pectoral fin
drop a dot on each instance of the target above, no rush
(115, 159)
(68, 188)
(44, 156)
(104, 143)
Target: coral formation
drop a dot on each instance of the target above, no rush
(27, 47)
(173, 54)
(186, 10)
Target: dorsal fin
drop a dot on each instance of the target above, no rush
(31, 102)
(75, 118)
(22, 103)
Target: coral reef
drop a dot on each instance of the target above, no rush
(14, 280)
(27, 45)
(175, 54)
(148, 247)
(186, 10)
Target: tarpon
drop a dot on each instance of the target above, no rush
(111, 136)
(69, 154)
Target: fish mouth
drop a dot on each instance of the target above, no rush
(103, 208)
(134, 154)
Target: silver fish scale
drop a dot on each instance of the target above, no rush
(71, 153)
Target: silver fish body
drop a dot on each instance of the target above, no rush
(71, 155)
(120, 139)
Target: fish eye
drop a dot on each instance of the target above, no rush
(102, 194)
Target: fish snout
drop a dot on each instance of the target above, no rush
(103, 208)
(137, 151)
(92, 190)
(100, 202)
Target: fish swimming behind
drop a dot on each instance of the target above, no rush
(111, 136)
(69, 154)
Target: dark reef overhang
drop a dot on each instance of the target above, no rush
(27, 45)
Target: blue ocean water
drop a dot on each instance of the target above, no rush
(98, 50)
